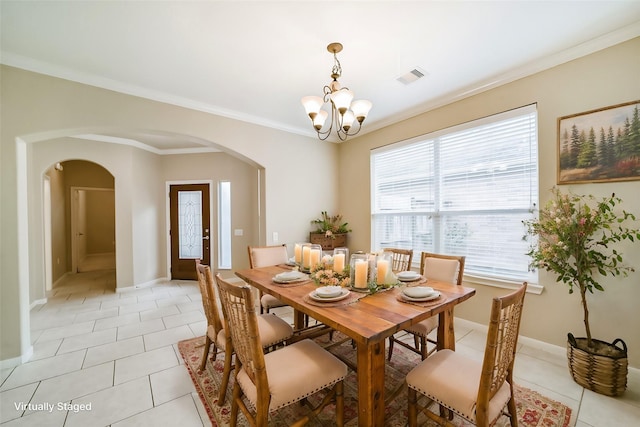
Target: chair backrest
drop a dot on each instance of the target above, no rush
(209, 298)
(500, 351)
(401, 260)
(263, 256)
(447, 268)
(239, 310)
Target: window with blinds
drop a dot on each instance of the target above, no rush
(461, 191)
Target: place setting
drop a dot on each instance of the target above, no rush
(408, 277)
(331, 296)
(291, 278)
(420, 295)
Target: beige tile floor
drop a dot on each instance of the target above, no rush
(117, 353)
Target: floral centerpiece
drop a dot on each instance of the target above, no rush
(323, 274)
(573, 237)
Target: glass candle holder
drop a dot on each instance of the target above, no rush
(305, 256)
(383, 268)
(359, 270)
(340, 257)
(315, 256)
(297, 253)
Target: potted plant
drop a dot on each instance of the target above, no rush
(573, 238)
(330, 231)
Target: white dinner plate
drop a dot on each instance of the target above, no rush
(408, 276)
(423, 299)
(289, 277)
(418, 291)
(344, 293)
(328, 291)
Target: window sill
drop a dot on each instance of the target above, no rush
(532, 288)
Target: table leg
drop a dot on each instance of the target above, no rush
(298, 319)
(371, 360)
(446, 333)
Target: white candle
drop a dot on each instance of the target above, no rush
(338, 263)
(314, 257)
(361, 268)
(383, 270)
(306, 256)
(297, 250)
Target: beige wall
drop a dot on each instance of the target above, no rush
(602, 79)
(39, 112)
(38, 115)
(243, 176)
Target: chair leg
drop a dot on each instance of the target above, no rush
(423, 347)
(207, 344)
(513, 415)
(412, 396)
(235, 405)
(340, 404)
(226, 373)
(391, 342)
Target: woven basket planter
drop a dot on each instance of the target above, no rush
(329, 243)
(603, 374)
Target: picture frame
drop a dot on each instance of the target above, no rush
(600, 145)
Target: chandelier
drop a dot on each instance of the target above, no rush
(343, 112)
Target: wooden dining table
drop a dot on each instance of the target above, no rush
(369, 321)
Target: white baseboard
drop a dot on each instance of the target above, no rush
(141, 285)
(545, 346)
(37, 302)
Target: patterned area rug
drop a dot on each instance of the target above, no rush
(534, 410)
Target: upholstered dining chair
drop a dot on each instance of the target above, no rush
(263, 256)
(445, 268)
(277, 379)
(274, 330)
(401, 259)
(477, 391)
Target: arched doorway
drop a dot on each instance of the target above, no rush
(82, 218)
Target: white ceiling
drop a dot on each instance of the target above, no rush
(253, 61)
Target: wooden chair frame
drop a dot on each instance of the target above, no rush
(497, 365)
(419, 341)
(214, 326)
(401, 260)
(254, 264)
(239, 308)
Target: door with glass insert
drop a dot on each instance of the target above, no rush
(190, 229)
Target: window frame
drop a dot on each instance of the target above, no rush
(436, 214)
(225, 252)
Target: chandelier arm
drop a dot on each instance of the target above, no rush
(323, 135)
(356, 132)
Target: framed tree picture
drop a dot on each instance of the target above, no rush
(600, 145)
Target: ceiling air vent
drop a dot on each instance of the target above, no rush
(411, 76)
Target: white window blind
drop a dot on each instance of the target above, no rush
(461, 191)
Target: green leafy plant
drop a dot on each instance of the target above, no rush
(573, 236)
(330, 225)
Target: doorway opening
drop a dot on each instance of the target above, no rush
(92, 229)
